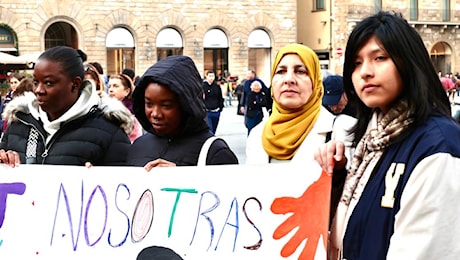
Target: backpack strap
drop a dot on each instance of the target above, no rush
(205, 149)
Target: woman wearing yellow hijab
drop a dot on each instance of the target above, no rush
(298, 123)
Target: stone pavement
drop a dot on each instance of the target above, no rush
(231, 128)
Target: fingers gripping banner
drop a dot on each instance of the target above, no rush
(213, 212)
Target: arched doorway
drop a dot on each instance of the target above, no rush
(441, 57)
(61, 34)
(215, 45)
(8, 40)
(169, 42)
(120, 50)
(259, 54)
(8, 44)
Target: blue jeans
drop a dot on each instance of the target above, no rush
(213, 121)
(251, 122)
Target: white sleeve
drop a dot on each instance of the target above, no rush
(341, 132)
(255, 153)
(427, 225)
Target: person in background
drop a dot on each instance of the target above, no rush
(24, 88)
(65, 123)
(100, 70)
(121, 88)
(93, 75)
(335, 99)
(397, 201)
(14, 80)
(251, 77)
(449, 87)
(130, 73)
(256, 100)
(228, 83)
(456, 108)
(239, 94)
(213, 100)
(169, 105)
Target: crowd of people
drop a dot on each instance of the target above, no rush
(451, 84)
(383, 129)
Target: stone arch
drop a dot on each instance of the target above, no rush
(63, 19)
(222, 22)
(9, 18)
(69, 12)
(267, 23)
(123, 18)
(441, 56)
(175, 20)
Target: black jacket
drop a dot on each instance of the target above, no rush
(255, 102)
(179, 73)
(213, 98)
(99, 137)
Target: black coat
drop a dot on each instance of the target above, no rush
(213, 96)
(180, 75)
(183, 151)
(96, 137)
(255, 102)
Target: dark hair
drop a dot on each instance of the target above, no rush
(422, 88)
(129, 72)
(83, 55)
(157, 253)
(209, 72)
(71, 60)
(26, 85)
(98, 67)
(94, 74)
(17, 76)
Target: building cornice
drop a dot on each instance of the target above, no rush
(422, 23)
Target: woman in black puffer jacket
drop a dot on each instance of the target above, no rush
(66, 122)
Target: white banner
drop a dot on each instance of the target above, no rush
(213, 212)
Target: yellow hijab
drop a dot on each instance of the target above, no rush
(285, 130)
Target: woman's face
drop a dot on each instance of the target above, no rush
(55, 91)
(292, 87)
(162, 109)
(256, 87)
(376, 79)
(117, 89)
(14, 82)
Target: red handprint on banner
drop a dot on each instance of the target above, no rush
(310, 214)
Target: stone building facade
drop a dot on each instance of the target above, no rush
(436, 21)
(226, 36)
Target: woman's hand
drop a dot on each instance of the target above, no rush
(158, 163)
(10, 158)
(331, 156)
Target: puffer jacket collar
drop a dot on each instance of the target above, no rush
(112, 109)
